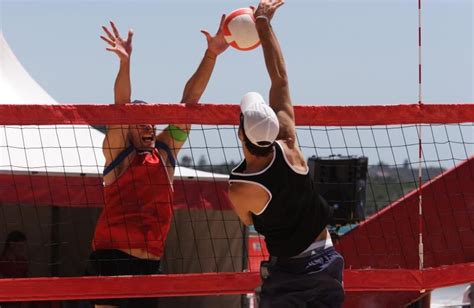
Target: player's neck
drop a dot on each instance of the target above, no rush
(257, 163)
(144, 151)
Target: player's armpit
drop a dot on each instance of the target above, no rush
(115, 141)
(287, 129)
(237, 198)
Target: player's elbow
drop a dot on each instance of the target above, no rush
(190, 96)
(190, 100)
(280, 81)
(122, 100)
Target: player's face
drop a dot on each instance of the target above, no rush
(143, 136)
(241, 134)
(241, 128)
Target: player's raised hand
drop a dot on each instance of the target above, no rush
(122, 48)
(267, 8)
(216, 44)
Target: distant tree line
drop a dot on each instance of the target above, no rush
(203, 165)
(385, 183)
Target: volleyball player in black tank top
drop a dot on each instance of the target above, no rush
(272, 190)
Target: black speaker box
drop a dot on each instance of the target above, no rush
(341, 181)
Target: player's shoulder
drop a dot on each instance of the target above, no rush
(293, 155)
(288, 146)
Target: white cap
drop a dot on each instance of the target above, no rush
(260, 121)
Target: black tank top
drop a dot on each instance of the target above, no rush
(295, 214)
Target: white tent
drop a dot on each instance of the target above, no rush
(63, 149)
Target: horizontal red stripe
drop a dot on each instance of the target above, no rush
(373, 280)
(87, 191)
(21, 289)
(228, 114)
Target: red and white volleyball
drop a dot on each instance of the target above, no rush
(240, 31)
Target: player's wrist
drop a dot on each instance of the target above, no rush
(124, 61)
(210, 54)
(262, 22)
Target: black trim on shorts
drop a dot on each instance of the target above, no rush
(113, 262)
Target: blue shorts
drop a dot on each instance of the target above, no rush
(312, 281)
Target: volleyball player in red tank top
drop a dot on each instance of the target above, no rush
(131, 232)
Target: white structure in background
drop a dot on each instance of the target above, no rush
(52, 149)
(57, 149)
(454, 296)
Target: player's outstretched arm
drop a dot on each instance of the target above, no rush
(280, 99)
(116, 137)
(175, 135)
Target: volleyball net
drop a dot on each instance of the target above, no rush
(366, 157)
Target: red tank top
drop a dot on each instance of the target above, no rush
(138, 208)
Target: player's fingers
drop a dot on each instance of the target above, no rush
(111, 37)
(114, 28)
(108, 41)
(279, 3)
(130, 36)
(206, 34)
(221, 24)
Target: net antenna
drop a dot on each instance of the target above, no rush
(420, 144)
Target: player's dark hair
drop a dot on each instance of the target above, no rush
(254, 149)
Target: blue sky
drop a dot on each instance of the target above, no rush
(338, 52)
